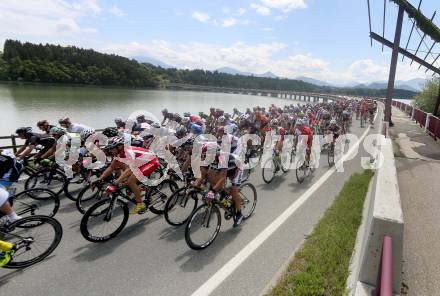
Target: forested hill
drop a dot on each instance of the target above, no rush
(53, 63)
(59, 64)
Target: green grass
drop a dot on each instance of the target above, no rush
(320, 267)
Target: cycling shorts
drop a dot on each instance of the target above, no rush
(235, 175)
(4, 196)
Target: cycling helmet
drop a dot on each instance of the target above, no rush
(185, 120)
(221, 119)
(23, 130)
(177, 117)
(221, 130)
(181, 132)
(64, 120)
(56, 130)
(86, 133)
(110, 132)
(140, 118)
(118, 120)
(332, 121)
(186, 114)
(114, 142)
(155, 125)
(274, 122)
(165, 111)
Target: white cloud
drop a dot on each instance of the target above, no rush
(284, 5)
(260, 9)
(117, 11)
(259, 58)
(366, 70)
(200, 16)
(48, 18)
(229, 22)
(240, 11)
(267, 29)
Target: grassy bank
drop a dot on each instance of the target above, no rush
(320, 267)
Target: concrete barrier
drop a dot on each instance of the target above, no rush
(382, 216)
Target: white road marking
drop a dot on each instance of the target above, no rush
(212, 283)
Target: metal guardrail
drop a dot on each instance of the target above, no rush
(429, 122)
(14, 145)
(13, 138)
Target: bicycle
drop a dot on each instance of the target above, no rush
(23, 242)
(114, 205)
(208, 217)
(304, 170)
(272, 167)
(49, 177)
(36, 201)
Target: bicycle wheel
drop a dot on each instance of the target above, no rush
(180, 205)
(158, 196)
(301, 172)
(285, 163)
(48, 179)
(75, 185)
(203, 226)
(331, 155)
(248, 195)
(35, 238)
(104, 220)
(246, 175)
(36, 201)
(88, 196)
(268, 171)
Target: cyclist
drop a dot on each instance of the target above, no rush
(44, 126)
(32, 140)
(120, 154)
(74, 128)
(9, 172)
(304, 130)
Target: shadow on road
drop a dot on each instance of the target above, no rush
(196, 260)
(94, 251)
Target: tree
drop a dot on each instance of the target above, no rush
(427, 98)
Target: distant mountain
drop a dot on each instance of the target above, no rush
(312, 81)
(414, 85)
(153, 61)
(232, 71)
(268, 74)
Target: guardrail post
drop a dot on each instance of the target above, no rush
(14, 143)
(427, 121)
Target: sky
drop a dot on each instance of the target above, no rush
(322, 39)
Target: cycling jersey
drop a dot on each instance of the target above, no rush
(141, 153)
(40, 139)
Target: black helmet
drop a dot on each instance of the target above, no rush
(181, 132)
(187, 114)
(110, 132)
(23, 130)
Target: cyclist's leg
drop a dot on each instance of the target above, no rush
(5, 206)
(132, 183)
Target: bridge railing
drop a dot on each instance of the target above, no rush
(426, 120)
(16, 142)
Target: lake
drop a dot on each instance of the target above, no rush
(24, 105)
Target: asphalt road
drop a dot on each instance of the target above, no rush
(150, 257)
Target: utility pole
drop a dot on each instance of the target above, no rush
(393, 66)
